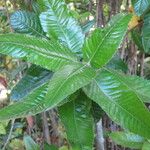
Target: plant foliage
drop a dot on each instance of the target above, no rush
(54, 43)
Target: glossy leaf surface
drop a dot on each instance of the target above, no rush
(63, 83)
(68, 80)
(35, 77)
(138, 85)
(27, 105)
(88, 25)
(126, 139)
(26, 22)
(41, 4)
(59, 24)
(120, 102)
(141, 6)
(146, 33)
(103, 43)
(78, 122)
(48, 54)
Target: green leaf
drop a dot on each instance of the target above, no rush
(27, 106)
(30, 144)
(146, 33)
(36, 8)
(88, 25)
(2, 129)
(68, 80)
(103, 43)
(141, 6)
(35, 77)
(41, 4)
(146, 146)
(63, 83)
(64, 148)
(48, 54)
(17, 144)
(26, 22)
(137, 38)
(120, 102)
(78, 122)
(129, 140)
(59, 24)
(133, 2)
(96, 111)
(138, 85)
(117, 63)
(50, 147)
(3, 126)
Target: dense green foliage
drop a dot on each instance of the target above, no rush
(73, 70)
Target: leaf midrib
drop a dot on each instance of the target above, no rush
(57, 91)
(140, 3)
(130, 87)
(103, 39)
(69, 76)
(32, 108)
(76, 129)
(137, 91)
(22, 114)
(43, 52)
(24, 23)
(60, 27)
(120, 106)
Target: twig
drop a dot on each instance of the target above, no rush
(9, 135)
(99, 136)
(142, 57)
(46, 128)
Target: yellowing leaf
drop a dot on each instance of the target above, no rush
(3, 125)
(134, 22)
(17, 144)
(2, 129)
(63, 148)
(131, 9)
